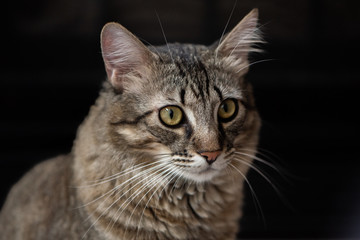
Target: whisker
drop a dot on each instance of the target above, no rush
(137, 193)
(227, 24)
(151, 47)
(128, 182)
(152, 195)
(163, 33)
(259, 172)
(160, 168)
(248, 40)
(175, 174)
(118, 175)
(253, 194)
(267, 178)
(256, 62)
(253, 156)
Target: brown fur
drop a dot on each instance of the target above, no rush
(162, 193)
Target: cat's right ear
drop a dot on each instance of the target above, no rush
(126, 58)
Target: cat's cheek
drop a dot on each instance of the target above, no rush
(135, 136)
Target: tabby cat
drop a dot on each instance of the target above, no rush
(162, 154)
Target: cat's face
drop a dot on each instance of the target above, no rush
(185, 107)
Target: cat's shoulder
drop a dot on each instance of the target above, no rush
(46, 175)
(38, 195)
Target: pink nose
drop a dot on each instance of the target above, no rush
(210, 156)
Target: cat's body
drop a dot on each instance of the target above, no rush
(162, 154)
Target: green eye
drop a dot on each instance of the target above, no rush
(227, 110)
(171, 115)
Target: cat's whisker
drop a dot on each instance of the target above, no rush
(175, 183)
(252, 191)
(159, 169)
(122, 173)
(256, 169)
(253, 156)
(266, 177)
(139, 191)
(175, 174)
(127, 182)
(169, 173)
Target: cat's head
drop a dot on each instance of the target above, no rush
(184, 106)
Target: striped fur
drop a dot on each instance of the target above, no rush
(137, 178)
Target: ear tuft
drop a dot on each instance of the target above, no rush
(241, 40)
(124, 55)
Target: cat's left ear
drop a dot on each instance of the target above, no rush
(237, 44)
(127, 60)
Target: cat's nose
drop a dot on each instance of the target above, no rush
(210, 157)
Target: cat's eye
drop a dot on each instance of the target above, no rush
(171, 115)
(227, 110)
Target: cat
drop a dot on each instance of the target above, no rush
(162, 154)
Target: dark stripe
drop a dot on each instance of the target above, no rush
(133, 122)
(192, 209)
(221, 132)
(151, 210)
(182, 96)
(207, 80)
(181, 71)
(188, 130)
(194, 91)
(217, 90)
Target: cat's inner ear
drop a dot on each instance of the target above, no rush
(125, 57)
(241, 40)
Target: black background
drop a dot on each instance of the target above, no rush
(51, 71)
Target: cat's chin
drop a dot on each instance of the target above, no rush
(202, 176)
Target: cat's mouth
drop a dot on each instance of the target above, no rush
(205, 172)
(208, 169)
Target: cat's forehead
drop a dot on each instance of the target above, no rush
(176, 51)
(184, 58)
(191, 70)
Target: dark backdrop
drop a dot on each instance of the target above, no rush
(51, 71)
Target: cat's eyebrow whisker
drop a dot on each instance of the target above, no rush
(253, 194)
(163, 33)
(152, 47)
(227, 24)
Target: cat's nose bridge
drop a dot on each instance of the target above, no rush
(207, 139)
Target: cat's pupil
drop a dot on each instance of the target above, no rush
(171, 113)
(225, 107)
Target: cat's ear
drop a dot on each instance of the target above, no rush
(237, 44)
(125, 57)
